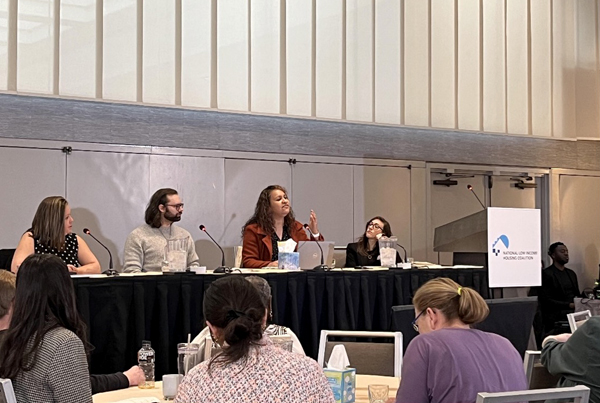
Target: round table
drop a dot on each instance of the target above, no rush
(362, 382)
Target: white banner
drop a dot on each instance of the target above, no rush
(514, 247)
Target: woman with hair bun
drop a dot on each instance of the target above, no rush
(249, 368)
(449, 361)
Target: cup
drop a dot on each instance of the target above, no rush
(187, 357)
(378, 393)
(387, 251)
(176, 255)
(170, 384)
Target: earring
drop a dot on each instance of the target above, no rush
(215, 343)
(271, 316)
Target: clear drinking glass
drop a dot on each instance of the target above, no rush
(176, 255)
(187, 357)
(378, 393)
(387, 251)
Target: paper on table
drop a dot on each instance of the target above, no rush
(287, 246)
(338, 358)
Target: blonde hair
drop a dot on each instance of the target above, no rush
(453, 300)
(7, 291)
(48, 225)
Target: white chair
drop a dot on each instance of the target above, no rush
(7, 394)
(577, 319)
(579, 394)
(237, 250)
(367, 358)
(537, 375)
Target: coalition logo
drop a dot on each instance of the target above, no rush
(503, 240)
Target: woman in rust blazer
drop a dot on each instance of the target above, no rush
(273, 221)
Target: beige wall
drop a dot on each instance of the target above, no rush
(504, 66)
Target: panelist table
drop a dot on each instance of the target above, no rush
(362, 396)
(122, 311)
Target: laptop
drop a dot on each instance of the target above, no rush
(310, 254)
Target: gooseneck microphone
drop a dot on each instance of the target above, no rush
(111, 271)
(222, 268)
(322, 266)
(404, 249)
(475, 194)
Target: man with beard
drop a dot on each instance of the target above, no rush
(559, 288)
(145, 246)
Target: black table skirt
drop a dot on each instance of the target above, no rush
(122, 311)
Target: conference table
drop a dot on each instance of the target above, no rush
(362, 396)
(164, 308)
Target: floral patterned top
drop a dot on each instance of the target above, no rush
(269, 375)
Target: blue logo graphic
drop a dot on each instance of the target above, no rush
(496, 250)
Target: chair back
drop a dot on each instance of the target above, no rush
(577, 319)
(6, 256)
(7, 393)
(537, 375)
(368, 358)
(579, 394)
(237, 250)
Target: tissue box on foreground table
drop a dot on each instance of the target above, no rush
(343, 384)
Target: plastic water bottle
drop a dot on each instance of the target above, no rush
(146, 363)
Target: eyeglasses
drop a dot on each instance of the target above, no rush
(376, 226)
(414, 322)
(176, 206)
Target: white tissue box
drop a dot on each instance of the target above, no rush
(343, 384)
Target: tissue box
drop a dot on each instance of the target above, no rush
(289, 260)
(343, 384)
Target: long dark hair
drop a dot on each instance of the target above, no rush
(262, 213)
(363, 241)
(44, 300)
(153, 214)
(48, 225)
(234, 305)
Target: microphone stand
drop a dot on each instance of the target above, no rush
(111, 272)
(222, 268)
(322, 266)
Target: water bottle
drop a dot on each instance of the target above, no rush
(146, 363)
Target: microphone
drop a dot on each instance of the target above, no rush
(322, 266)
(222, 268)
(111, 271)
(475, 194)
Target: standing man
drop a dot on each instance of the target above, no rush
(145, 245)
(559, 288)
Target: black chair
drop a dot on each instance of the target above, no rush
(6, 256)
(509, 317)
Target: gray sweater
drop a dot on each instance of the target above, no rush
(145, 248)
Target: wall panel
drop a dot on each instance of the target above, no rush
(299, 57)
(494, 66)
(416, 63)
(359, 60)
(77, 67)
(388, 61)
(196, 52)
(541, 67)
(517, 67)
(232, 55)
(119, 51)
(265, 48)
(159, 52)
(35, 46)
(329, 62)
(469, 65)
(3, 45)
(443, 66)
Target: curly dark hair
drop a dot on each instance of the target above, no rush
(262, 213)
(363, 241)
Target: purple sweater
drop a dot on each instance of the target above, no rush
(452, 365)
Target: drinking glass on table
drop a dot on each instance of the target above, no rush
(170, 383)
(378, 393)
(187, 357)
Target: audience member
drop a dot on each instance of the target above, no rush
(43, 351)
(273, 221)
(449, 361)
(576, 357)
(365, 252)
(145, 245)
(249, 368)
(559, 288)
(272, 329)
(51, 232)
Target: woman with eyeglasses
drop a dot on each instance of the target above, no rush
(365, 252)
(450, 362)
(273, 221)
(249, 368)
(52, 233)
